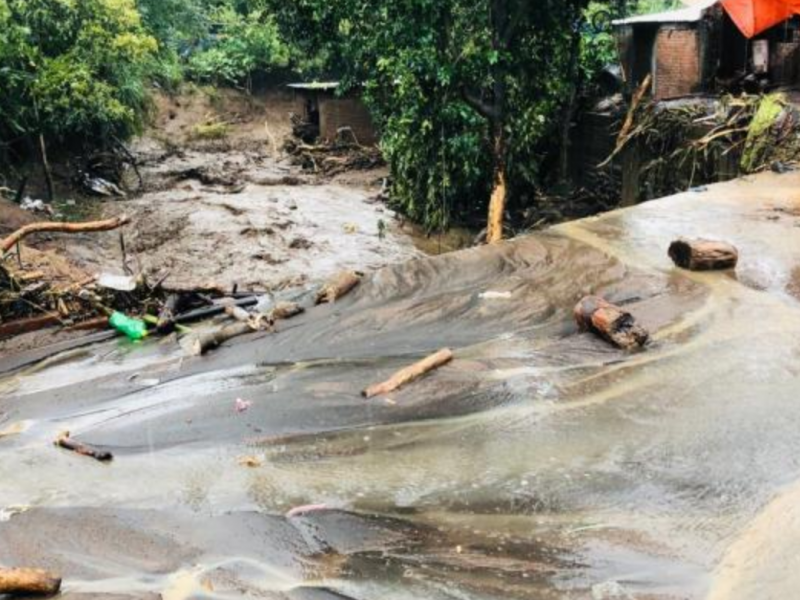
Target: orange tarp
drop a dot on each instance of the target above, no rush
(754, 16)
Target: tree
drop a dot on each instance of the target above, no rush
(469, 95)
(71, 69)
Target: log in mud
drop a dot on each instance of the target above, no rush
(28, 582)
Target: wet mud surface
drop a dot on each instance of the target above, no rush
(540, 463)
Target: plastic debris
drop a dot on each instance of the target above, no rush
(242, 405)
(133, 329)
(490, 295)
(120, 283)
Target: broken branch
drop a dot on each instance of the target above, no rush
(57, 227)
(409, 374)
(68, 443)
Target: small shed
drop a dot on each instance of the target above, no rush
(321, 104)
(699, 49)
(675, 47)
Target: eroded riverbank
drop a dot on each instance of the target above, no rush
(540, 463)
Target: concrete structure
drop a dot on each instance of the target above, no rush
(320, 104)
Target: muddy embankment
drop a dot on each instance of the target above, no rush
(539, 463)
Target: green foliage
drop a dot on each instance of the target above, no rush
(598, 47)
(243, 43)
(72, 68)
(414, 60)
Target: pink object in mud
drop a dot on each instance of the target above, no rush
(242, 405)
(308, 508)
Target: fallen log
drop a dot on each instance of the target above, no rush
(339, 286)
(284, 311)
(20, 326)
(68, 443)
(703, 255)
(57, 227)
(36, 582)
(203, 342)
(610, 322)
(409, 374)
(256, 322)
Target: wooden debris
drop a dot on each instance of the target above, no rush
(409, 374)
(338, 287)
(285, 310)
(66, 442)
(57, 227)
(703, 255)
(36, 582)
(203, 342)
(29, 325)
(610, 322)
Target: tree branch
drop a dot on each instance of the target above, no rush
(484, 109)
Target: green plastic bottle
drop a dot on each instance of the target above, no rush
(134, 329)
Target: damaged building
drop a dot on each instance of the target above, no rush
(712, 46)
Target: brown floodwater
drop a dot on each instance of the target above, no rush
(539, 464)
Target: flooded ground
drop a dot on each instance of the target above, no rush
(540, 464)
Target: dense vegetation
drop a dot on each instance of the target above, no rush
(473, 99)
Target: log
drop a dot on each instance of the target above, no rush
(68, 443)
(409, 374)
(203, 342)
(36, 582)
(285, 310)
(58, 227)
(20, 326)
(703, 255)
(339, 286)
(610, 322)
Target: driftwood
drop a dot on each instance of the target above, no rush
(68, 443)
(337, 287)
(409, 374)
(203, 342)
(285, 310)
(30, 325)
(29, 582)
(610, 322)
(92, 226)
(703, 255)
(254, 321)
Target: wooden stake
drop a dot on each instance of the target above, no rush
(29, 582)
(341, 285)
(48, 174)
(409, 374)
(703, 255)
(610, 322)
(92, 226)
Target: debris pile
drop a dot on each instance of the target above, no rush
(343, 154)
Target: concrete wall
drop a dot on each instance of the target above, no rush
(678, 67)
(335, 113)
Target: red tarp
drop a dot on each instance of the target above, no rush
(754, 16)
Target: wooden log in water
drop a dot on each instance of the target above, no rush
(68, 443)
(339, 286)
(703, 255)
(409, 374)
(203, 342)
(610, 322)
(285, 310)
(29, 582)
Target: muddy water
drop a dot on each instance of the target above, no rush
(539, 464)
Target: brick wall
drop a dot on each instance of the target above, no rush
(335, 113)
(677, 58)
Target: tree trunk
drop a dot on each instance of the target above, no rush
(35, 582)
(497, 204)
(48, 174)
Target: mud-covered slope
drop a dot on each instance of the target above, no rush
(540, 463)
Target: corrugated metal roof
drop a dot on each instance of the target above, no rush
(690, 14)
(317, 85)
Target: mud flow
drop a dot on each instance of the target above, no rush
(541, 463)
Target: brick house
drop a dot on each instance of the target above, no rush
(320, 104)
(699, 50)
